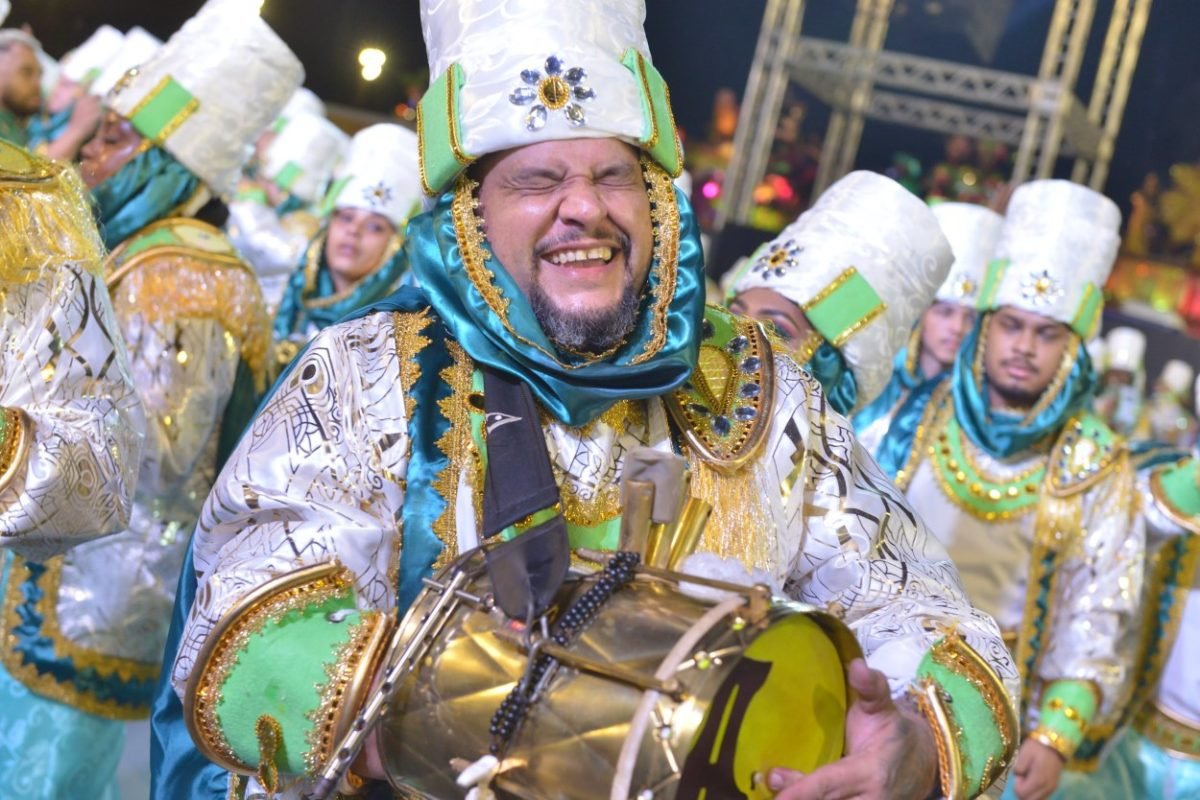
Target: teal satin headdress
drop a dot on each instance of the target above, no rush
(489, 316)
(1002, 434)
(829, 367)
(310, 296)
(902, 382)
(144, 190)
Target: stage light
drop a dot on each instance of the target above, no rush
(372, 60)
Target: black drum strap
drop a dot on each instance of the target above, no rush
(527, 571)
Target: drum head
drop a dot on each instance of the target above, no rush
(783, 705)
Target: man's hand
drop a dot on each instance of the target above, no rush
(890, 753)
(1036, 770)
(82, 126)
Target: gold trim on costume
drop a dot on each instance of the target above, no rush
(14, 450)
(1055, 741)
(1177, 736)
(264, 604)
(946, 735)
(960, 658)
(931, 419)
(457, 444)
(45, 684)
(349, 678)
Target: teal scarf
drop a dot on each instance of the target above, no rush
(828, 366)
(574, 389)
(310, 296)
(45, 128)
(999, 434)
(901, 383)
(144, 190)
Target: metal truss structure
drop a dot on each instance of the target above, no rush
(1040, 116)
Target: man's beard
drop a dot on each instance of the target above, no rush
(592, 331)
(1014, 397)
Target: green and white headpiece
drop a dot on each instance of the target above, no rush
(302, 158)
(1056, 249)
(863, 264)
(85, 63)
(379, 174)
(508, 74)
(207, 93)
(973, 232)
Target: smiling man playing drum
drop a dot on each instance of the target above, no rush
(559, 265)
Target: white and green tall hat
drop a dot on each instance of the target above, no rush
(85, 63)
(210, 90)
(973, 232)
(381, 174)
(511, 74)
(1056, 250)
(137, 48)
(302, 158)
(5, 7)
(863, 264)
(303, 102)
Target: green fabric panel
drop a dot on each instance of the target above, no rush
(656, 111)
(1088, 313)
(1073, 694)
(304, 640)
(981, 739)
(436, 130)
(605, 536)
(253, 194)
(991, 283)
(331, 197)
(12, 129)
(843, 308)
(288, 175)
(1181, 486)
(155, 238)
(162, 110)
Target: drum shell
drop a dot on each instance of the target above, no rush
(572, 736)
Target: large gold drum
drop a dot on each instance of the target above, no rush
(663, 695)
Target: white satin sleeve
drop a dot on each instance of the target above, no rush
(63, 366)
(314, 478)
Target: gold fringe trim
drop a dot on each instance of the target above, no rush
(740, 515)
(45, 218)
(456, 444)
(165, 284)
(47, 685)
(408, 332)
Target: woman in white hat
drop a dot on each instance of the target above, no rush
(356, 260)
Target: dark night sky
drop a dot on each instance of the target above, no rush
(701, 45)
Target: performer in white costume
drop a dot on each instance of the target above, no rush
(935, 341)
(562, 257)
(276, 215)
(1035, 497)
(866, 230)
(192, 320)
(70, 438)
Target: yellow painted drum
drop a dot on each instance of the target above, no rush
(663, 695)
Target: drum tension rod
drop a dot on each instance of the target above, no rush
(544, 647)
(485, 603)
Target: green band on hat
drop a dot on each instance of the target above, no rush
(1181, 487)
(162, 111)
(278, 125)
(662, 139)
(993, 276)
(440, 151)
(1088, 313)
(331, 197)
(288, 175)
(844, 307)
(91, 75)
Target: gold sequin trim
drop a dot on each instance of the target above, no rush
(265, 605)
(1153, 652)
(269, 733)
(349, 678)
(946, 735)
(960, 658)
(14, 449)
(45, 684)
(932, 418)
(664, 214)
(1053, 740)
(408, 332)
(456, 444)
